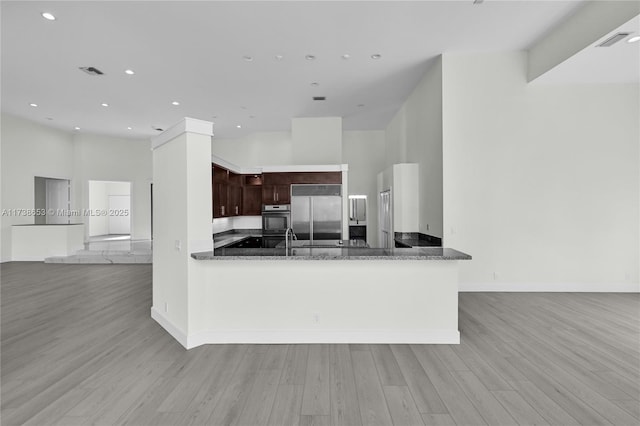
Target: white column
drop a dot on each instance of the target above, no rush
(181, 218)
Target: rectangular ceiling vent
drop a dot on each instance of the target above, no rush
(91, 70)
(613, 39)
(319, 98)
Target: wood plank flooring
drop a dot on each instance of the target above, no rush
(79, 348)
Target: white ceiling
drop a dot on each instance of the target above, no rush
(192, 52)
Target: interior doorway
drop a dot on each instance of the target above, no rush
(110, 206)
(385, 220)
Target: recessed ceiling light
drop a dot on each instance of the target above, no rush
(633, 39)
(315, 84)
(176, 103)
(248, 58)
(104, 104)
(48, 16)
(346, 56)
(239, 126)
(130, 72)
(309, 57)
(376, 56)
(279, 57)
(129, 128)
(33, 105)
(76, 128)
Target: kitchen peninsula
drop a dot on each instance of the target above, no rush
(271, 295)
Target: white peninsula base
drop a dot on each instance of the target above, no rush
(318, 301)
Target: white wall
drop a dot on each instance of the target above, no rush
(29, 150)
(257, 149)
(98, 200)
(104, 158)
(541, 183)
(364, 152)
(414, 135)
(317, 140)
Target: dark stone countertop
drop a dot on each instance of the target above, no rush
(225, 238)
(338, 253)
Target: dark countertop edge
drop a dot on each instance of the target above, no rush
(208, 255)
(48, 224)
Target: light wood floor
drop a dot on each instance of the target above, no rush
(79, 348)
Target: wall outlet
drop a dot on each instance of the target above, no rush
(166, 307)
(427, 226)
(178, 245)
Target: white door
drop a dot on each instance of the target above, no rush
(119, 214)
(384, 215)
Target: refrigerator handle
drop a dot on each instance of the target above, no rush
(311, 219)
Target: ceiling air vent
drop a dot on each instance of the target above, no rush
(613, 39)
(157, 129)
(319, 98)
(91, 70)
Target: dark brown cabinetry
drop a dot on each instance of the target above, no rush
(235, 194)
(252, 195)
(276, 187)
(227, 192)
(276, 194)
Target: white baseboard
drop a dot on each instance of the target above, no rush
(165, 323)
(551, 287)
(365, 336)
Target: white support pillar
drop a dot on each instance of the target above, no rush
(182, 215)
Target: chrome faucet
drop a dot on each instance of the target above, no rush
(288, 232)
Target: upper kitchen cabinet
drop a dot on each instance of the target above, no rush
(276, 188)
(252, 195)
(276, 194)
(226, 192)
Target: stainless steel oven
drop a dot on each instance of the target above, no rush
(275, 221)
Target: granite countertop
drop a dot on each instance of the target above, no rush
(325, 244)
(225, 238)
(48, 224)
(416, 239)
(344, 253)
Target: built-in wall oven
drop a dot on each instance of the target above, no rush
(275, 221)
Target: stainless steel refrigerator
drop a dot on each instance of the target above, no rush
(316, 212)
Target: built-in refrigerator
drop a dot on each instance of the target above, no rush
(316, 212)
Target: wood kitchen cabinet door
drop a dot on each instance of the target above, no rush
(283, 194)
(252, 200)
(235, 200)
(220, 199)
(276, 194)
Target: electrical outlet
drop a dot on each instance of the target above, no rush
(178, 245)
